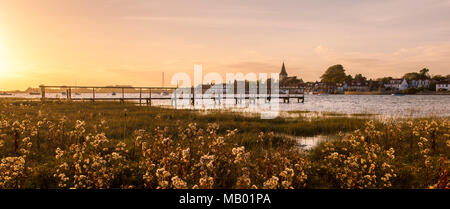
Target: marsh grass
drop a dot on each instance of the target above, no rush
(137, 117)
(112, 145)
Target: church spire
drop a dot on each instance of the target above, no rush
(283, 70)
(283, 74)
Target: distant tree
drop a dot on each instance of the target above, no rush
(360, 78)
(421, 75)
(334, 74)
(424, 74)
(348, 79)
(411, 76)
(384, 79)
(439, 78)
(432, 86)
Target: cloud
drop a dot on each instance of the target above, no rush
(323, 50)
(394, 63)
(255, 67)
(227, 21)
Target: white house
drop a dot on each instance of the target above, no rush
(403, 85)
(420, 83)
(443, 85)
(393, 84)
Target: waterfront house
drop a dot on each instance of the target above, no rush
(359, 86)
(443, 86)
(341, 88)
(291, 83)
(419, 83)
(393, 84)
(403, 85)
(310, 87)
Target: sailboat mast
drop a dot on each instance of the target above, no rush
(163, 79)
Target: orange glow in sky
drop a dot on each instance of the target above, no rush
(118, 42)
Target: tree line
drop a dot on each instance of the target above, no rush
(336, 74)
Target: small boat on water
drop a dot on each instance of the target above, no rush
(78, 94)
(398, 94)
(35, 93)
(165, 93)
(63, 93)
(114, 94)
(5, 94)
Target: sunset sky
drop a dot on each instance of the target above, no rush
(118, 42)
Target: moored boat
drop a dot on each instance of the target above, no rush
(398, 94)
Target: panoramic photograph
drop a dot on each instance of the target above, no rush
(214, 96)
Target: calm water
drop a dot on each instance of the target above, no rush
(309, 142)
(384, 105)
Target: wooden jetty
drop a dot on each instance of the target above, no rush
(144, 91)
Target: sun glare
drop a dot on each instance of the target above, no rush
(3, 60)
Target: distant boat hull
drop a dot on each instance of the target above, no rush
(35, 93)
(361, 92)
(398, 94)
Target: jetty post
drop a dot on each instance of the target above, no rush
(149, 100)
(140, 96)
(193, 96)
(93, 94)
(123, 96)
(69, 94)
(42, 93)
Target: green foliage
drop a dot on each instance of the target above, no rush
(410, 91)
(334, 74)
(439, 78)
(421, 75)
(360, 78)
(384, 79)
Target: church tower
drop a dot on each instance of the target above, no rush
(283, 73)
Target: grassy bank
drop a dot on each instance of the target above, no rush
(110, 145)
(124, 119)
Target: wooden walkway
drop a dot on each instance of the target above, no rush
(145, 94)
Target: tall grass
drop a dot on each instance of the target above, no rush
(111, 145)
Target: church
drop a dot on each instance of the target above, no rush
(287, 82)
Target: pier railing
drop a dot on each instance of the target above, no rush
(141, 90)
(144, 91)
